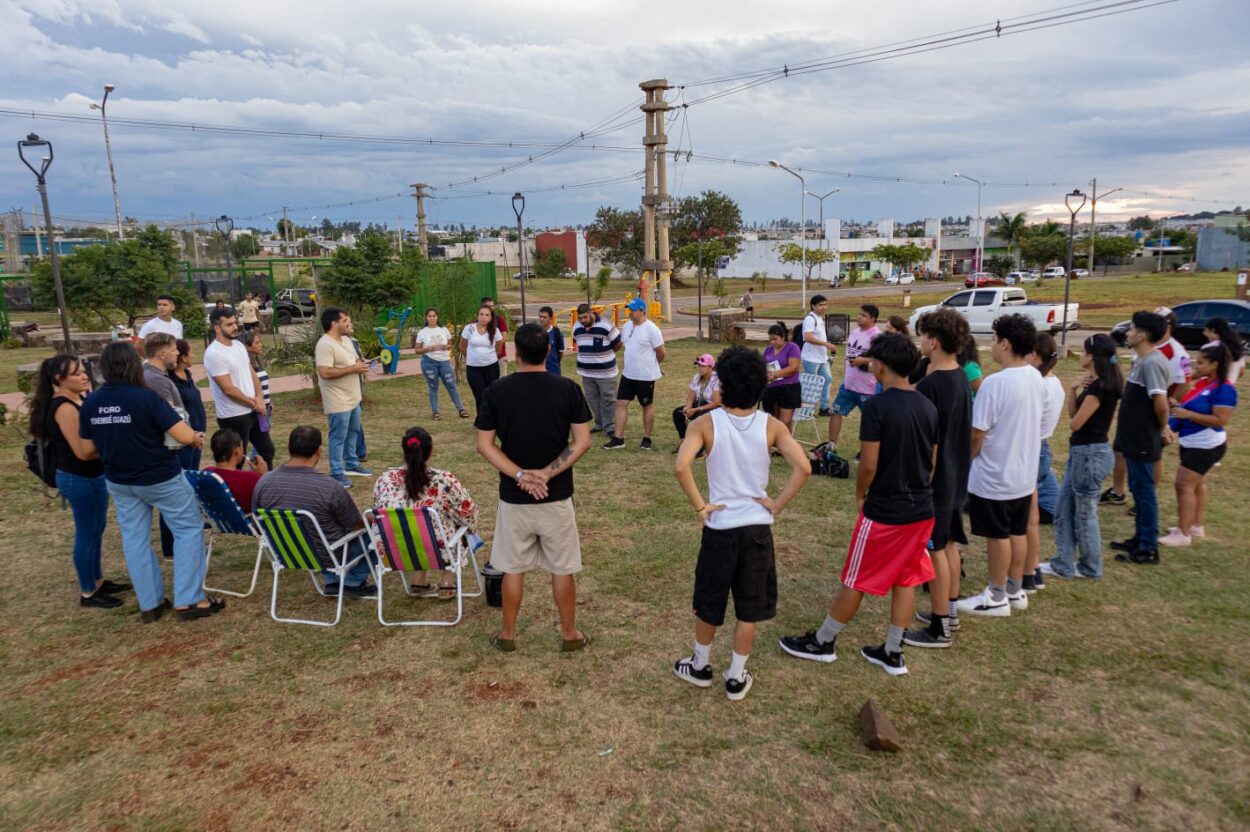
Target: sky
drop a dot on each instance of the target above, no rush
(1156, 102)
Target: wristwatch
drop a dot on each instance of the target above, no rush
(520, 475)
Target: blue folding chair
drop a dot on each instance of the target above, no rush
(224, 512)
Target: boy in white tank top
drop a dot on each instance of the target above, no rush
(736, 554)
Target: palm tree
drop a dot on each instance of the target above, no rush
(1010, 228)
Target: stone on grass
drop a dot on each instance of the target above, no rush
(876, 730)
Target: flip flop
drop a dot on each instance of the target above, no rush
(503, 645)
(464, 414)
(573, 645)
(437, 417)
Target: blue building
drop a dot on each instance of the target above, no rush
(64, 245)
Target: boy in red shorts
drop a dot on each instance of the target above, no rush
(888, 552)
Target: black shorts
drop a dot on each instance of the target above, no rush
(784, 396)
(948, 527)
(253, 325)
(630, 389)
(1201, 460)
(740, 561)
(999, 519)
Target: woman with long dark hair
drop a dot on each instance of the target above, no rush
(1198, 422)
(417, 485)
(432, 342)
(193, 404)
(1218, 331)
(970, 360)
(1091, 410)
(783, 394)
(128, 424)
(59, 392)
(481, 344)
(255, 354)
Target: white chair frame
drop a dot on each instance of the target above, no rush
(340, 567)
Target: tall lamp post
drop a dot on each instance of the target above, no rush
(32, 141)
(802, 222)
(821, 200)
(980, 222)
(108, 149)
(225, 226)
(1069, 200)
(518, 208)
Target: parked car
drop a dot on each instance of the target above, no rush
(519, 276)
(1080, 273)
(1053, 271)
(1016, 278)
(983, 306)
(978, 279)
(294, 305)
(1187, 267)
(1192, 317)
(900, 279)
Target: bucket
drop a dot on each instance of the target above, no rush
(492, 579)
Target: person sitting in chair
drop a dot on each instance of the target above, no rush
(239, 473)
(417, 485)
(702, 395)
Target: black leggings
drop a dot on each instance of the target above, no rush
(247, 427)
(680, 421)
(479, 379)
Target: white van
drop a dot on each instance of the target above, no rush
(1054, 271)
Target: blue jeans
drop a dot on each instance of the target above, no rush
(1047, 485)
(358, 573)
(1076, 514)
(175, 499)
(189, 459)
(345, 440)
(88, 499)
(1141, 482)
(435, 370)
(821, 368)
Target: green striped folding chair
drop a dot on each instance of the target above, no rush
(286, 534)
(407, 540)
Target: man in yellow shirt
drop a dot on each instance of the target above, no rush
(249, 311)
(340, 371)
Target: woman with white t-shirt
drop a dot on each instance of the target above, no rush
(432, 342)
(481, 345)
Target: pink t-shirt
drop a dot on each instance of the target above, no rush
(857, 380)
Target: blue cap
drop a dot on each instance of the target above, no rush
(637, 305)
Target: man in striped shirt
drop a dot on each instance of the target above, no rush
(597, 342)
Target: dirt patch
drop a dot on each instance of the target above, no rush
(77, 671)
(493, 691)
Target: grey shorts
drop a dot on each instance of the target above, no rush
(539, 536)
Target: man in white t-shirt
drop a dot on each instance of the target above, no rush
(340, 370)
(1006, 442)
(238, 399)
(644, 350)
(249, 311)
(164, 320)
(816, 347)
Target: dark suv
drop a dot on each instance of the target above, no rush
(1192, 317)
(293, 305)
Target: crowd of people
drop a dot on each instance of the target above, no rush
(939, 440)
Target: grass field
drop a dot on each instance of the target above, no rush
(1119, 704)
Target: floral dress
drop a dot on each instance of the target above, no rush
(443, 493)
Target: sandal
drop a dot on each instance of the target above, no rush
(573, 645)
(215, 605)
(464, 414)
(447, 586)
(425, 589)
(503, 645)
(437, 417)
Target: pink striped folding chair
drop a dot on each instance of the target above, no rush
(407, 540)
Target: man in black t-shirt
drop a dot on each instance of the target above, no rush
(943, 333)
(888, 554)
(531, 413)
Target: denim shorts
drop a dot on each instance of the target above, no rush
(848, 400)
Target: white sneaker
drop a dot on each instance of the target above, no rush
(1174, 537)
(983, 604)
(1019, 601)
(1197, 532)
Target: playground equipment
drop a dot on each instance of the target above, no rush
(619, 312)
(389, 357)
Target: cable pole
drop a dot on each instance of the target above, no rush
(1093, 225)
(656, 263)
(418, 191)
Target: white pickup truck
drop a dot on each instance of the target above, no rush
(982, 306)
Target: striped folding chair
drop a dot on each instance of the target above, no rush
(225, 514)
(288, 535)
(811, 386)
(407, 540)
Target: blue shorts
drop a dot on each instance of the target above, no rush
(848, 400)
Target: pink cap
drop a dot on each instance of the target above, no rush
(705, 360)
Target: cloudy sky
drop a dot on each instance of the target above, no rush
(1156, 101)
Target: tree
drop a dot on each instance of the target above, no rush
(704, 257)
(904, 256)
(367, 279)
(1011, 228)
(1108, 249)
(244, 246)
(711, 215)
(1142, 223)
(551, 263)
(618, 235)
(999, 264)
(1040, 250)
(793, 253)
(600, 284)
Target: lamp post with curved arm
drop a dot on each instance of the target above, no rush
(1068, 200)
(821, 200)
(225, 226)
(802, 221)
(518, 208)
(108, 150)
(980, 222)
(32, 142)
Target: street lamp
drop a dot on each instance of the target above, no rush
(980, 222)
(32, 141)
(802, 221)
(821, 200)
(518, 208)
(1068, 200)
(1094, 196)
(108, 149)
(225, 226)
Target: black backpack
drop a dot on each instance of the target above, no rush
(826, 462)
(41, 459)
(796, 334)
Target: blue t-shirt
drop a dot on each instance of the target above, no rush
(127, 425)
(555, 340)
(1203, 402)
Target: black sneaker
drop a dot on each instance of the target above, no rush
(1109, 497)
(154, 614)
(892, 663)
(100, 599)
(1028, 583)
(1148, 557)
(113, 587)
(927, 617)
(360, 591)
(613, 443)
(736, 689)
(807, 646)
(645, 444)
(1129, 545)
(1039, 580)
(699, 677)
(924, 638)
(596, 430)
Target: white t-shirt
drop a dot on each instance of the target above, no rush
(481, 352)
(1053, 397)
(435, 340)
(1008, 407)
(155, 325)
(641, 341)
(814, 324)
(233, 361)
